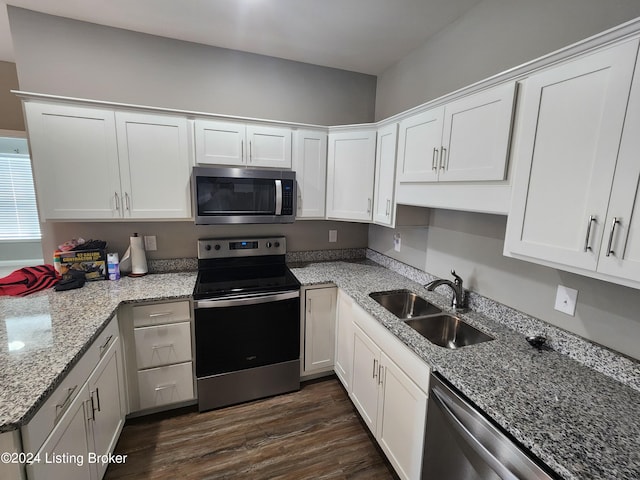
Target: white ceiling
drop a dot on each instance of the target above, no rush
(364, 36)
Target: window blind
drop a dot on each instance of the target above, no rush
(18, 210)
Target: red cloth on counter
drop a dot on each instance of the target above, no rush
(29, 280)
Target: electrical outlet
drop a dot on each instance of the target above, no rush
(150, 243)
(396, 242)
(333, 236)
(566, 299)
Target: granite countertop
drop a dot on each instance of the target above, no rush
(581, 423)
(44, 334)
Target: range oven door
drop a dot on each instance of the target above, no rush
(237, 195)
(234, 334)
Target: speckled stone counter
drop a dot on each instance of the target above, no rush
(581, 423)
(43, 335)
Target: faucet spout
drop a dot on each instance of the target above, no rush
(459, 300)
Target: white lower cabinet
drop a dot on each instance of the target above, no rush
(319, 329)
(88, 423)
(386, 382)
(158, 342)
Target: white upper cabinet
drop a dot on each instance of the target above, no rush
(465, 140)
(569, 133)
(419, 146)
(384, 204)
(239, 144)
(620, 246)
(310, 165)
(477, 130)
(350, 175)
(154, 165)
(96, 164)
(75, 161)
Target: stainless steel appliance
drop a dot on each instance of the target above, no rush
(247, 321)
(241, 195)
(462, 444)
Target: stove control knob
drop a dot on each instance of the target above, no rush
(207, 247)
(268, 244)
(217, 247)
(277, 244)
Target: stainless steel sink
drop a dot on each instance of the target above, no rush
(447, 331)
(405, 304)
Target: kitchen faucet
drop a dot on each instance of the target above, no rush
(459, 299)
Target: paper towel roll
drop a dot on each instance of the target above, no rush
(135, 254)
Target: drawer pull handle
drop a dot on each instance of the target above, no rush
(159, 314)
(62, 407)
(164, 345)
(375, 368)
(380, 374)
(434, 161)
(590, 222)
(103, 347)
(159, 388)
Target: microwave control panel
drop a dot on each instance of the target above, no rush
(287, 198)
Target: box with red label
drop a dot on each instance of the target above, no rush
(92, 262)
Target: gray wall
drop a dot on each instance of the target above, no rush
(492, 37)
(178, 239)
(66, 57)
(60, 56)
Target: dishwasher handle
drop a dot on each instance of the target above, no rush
(440, 399)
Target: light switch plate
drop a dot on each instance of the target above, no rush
(566, 299)
(333, 236)
(397, 243)
(150, 243)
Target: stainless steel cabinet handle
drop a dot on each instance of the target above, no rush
(443, 158)
(388, 206)
(103, 347)
(126, 201)
(95, 404)
(250, 151)
(159, 314)
(368, 205)
(164, 387)
(117, 201)
(62, 407)
(88, 407)
(434, 160)
(309, 304)
(590, 222)
(615, 222)
(375, 368)
(242, 150)
(162, 345)
(380, 374)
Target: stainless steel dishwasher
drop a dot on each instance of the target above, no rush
(462, 444)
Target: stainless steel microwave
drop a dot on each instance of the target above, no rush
(223, 195)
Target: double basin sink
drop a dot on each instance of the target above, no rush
(432, 323)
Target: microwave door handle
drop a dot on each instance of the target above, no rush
(278, 197)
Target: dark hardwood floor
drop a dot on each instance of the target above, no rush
(311, 434)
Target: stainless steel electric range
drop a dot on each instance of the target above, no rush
(247, 321)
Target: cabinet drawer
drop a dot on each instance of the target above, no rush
(38, 429)
(165, 385)
(159, 313)
(163, 344)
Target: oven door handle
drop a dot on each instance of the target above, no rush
(247, 300)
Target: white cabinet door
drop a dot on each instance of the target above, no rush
(310, 165)
(401, 419)
(106, 390)
(320, 328)
(154, 165)
(75, 161)
(366, 371)
(384, 208)
(419, 145)
(269, 147)
(570, 128)
(350, 175)
(475, 140)
(219, 143)
(620, 251)
(69, 438)
(343, 364)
